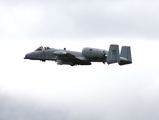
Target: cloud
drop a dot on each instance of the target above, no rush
(12, 108)
(101, 97)
(81, 19)
(36, 90)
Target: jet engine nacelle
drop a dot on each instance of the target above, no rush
(94, 53)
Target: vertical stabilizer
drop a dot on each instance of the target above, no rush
(113, 54)
(125, 55)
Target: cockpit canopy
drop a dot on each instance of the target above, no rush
(42, 48)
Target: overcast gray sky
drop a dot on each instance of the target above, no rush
(36, 90)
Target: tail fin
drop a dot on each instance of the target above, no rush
(125, 55)
(113, 54)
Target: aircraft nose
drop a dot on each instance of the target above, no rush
(26, 56)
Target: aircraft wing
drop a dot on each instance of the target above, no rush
(68, 58)
(64, 54)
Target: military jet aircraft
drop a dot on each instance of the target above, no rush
(88, 55)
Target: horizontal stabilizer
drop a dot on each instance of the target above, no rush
(125, 55)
